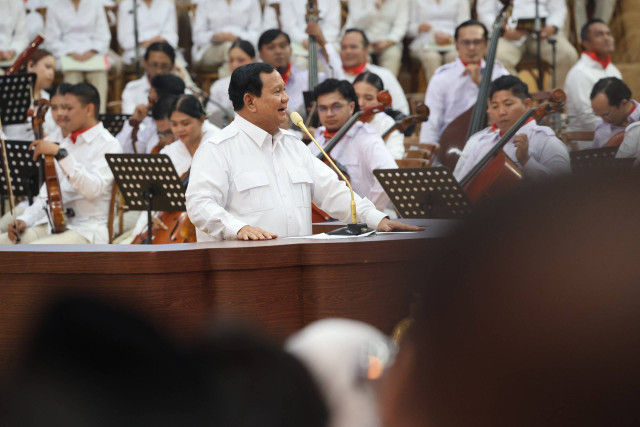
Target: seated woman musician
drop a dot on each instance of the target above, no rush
(367, 86)
(241, 52)
(85, 179)
(535, 149)
(188, 123)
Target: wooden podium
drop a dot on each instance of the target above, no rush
(276, 286)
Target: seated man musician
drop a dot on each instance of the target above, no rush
(361, 150)
(274, 47)
(254, 181)
(611, 101)
(594, 64)
(454, 87)
(84, 176)
(535, 149)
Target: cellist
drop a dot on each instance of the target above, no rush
(454, 87)
(535, 149)
(84, 176)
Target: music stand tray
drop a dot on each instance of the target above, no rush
(24, 171)
(113, 122)
(428, 193)
(148, 182)
(597, 159)
(15, 97)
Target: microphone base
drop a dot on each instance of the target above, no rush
(350, 230)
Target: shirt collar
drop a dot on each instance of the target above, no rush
(287, 74)
(530, 123)
(603, 63)
(462, 66)
(356, 71)
(87, 135)
(256, 134)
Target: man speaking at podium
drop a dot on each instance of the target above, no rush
(254, 181)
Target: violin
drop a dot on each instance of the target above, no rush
(135, 123)
(422, 112)
(496, 174)
(385, 100)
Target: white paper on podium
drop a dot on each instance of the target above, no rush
(325, 236)
(96, 63)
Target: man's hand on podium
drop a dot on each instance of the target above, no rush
(387, 225)
(255, 233)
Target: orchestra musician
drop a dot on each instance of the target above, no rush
(385, 22)
(361, 150)
(274, 47)
(535, 149)
(13, 29)
(354, 52)
(84, 176)
(367, 86)
(611, 101)
(454, 87)
(240, 53)
(514, 43)
(594, 64)
(254, 181)
(630, 147)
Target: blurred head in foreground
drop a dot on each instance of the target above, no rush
(532, 316)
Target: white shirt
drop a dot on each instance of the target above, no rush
(69, 30)
(13, 30)
(244, 176)
(604, 131)
(242, 18)
(85, 185)
(578, 85)
(382, 122)
(451, 92)
(34, 20)
(159, 19)
(399, 99)
(136, 92)
(555, 12)
(390, 22)
(293, 18)
(219, 92)
(548, 155)
(630, 146)
(443, 16)
(361, 151)
(298, 82)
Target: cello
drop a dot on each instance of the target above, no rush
(453, 138)
(422, 112)
(496, 174)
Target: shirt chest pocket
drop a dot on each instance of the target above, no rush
(301, 182)
(254, 194)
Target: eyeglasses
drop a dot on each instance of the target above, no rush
(474, 43)
(335, 108)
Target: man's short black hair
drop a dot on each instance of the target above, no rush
(586, 28)
(167, 84)
(163, 47)
(270, 35)
(60, 89)
(163, 106)
(365, 39)
(614, 89)
(341, 86)
(86, 94)
(472, 23)
(246, 79)
(512, 84)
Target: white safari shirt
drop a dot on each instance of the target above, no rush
(245, 176)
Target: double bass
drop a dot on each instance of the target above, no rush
(496, 174)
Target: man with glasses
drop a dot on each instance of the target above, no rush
(453, 89)
(361, 150)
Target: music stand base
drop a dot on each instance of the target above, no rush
(350, 230)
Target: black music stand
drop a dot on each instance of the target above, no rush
(113, 122)
(424, 192)
(15, 97)
(25, 173)
(597, 159)
(148, 182)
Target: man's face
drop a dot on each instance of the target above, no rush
(471, 44)
(59, 112)
(352, 50)
(158, 63)
(334, 110)
(78, 114)
(600, 40)
(277, 53)
(609, 113)
(505, 109)
(271, 107)
(237, 58)
(165, 135)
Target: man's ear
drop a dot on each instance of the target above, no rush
(90, 110)
(528, 102)
(249, 102)
(352, 107)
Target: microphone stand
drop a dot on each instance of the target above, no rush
(538, 30)
(135, 37)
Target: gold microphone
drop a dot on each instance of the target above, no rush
(354, 228)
